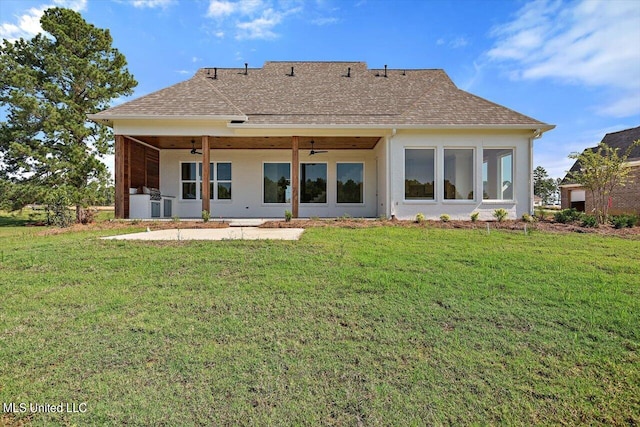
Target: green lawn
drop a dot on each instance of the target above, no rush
(378, 326)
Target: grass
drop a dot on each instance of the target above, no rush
(379, 326)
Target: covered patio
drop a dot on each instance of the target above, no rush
(139, 163)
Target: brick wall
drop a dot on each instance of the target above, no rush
(565, 200)
(624, 199)
(627, 199)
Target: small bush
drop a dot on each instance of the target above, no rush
(420, 218)
(175, 218)
(622, 221)
(57, 208)
(567, 216)
(474, 216)
(500, 214)
(589, 221)
(205, 216)
(287, 216)
(445, 218)
(540, 213)
(527, 218)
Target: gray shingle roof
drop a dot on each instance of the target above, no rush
(320, 93)
(621, 140)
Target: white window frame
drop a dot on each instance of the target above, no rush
(196, 181)
(217, 181)
(212, 179)
(326, 202)
(364, 188)
(513, 175)
(263, 203)
(474, 182)
(436, 191)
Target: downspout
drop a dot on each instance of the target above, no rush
(390, 211)
(536, 135)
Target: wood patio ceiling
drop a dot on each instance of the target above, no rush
(266, 142)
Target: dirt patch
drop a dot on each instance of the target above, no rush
(547, 226)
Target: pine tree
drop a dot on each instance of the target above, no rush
(48, 85)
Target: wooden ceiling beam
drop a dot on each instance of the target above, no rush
(276, 143)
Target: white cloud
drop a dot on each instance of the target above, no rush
(249, 19)
(27, 25)
(324, 21)
(218, 9)
(259, 28)
(77, 5)
(151, 4)
(458, 42)
(590, 42)
(454, 43)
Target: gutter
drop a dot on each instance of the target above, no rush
(110, 118)
(389, 177)
(536, 135)
(541, 128)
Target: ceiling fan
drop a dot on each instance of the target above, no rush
(312, 152)
(193, 148)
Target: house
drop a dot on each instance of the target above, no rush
(624, 199)
(320, 139)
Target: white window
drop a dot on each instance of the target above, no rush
(419, 174)
(219, 180)
(277, 183)
(313, 183)
(223, 181)
(350, 183)
(188, 181)
(458, 174)
(497, 174)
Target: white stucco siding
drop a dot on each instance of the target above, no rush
(382, 159)
(459, 209)
(171, 127)
(247, 183)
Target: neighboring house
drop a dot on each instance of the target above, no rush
(624, 199)
(320, 139)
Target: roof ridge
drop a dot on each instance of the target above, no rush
(424, 94)
(224, 97)
(619, 131)
(501, 106)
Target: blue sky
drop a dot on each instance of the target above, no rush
(575, 64)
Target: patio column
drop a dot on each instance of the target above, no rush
(120, 182)
(206, 200)
(295, 178)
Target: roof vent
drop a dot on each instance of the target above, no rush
(215, 73)
(348, 72)
(291, 75)
(404, 72)
(385, 73)
(246, 69)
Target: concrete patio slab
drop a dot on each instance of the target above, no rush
(236, 233)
